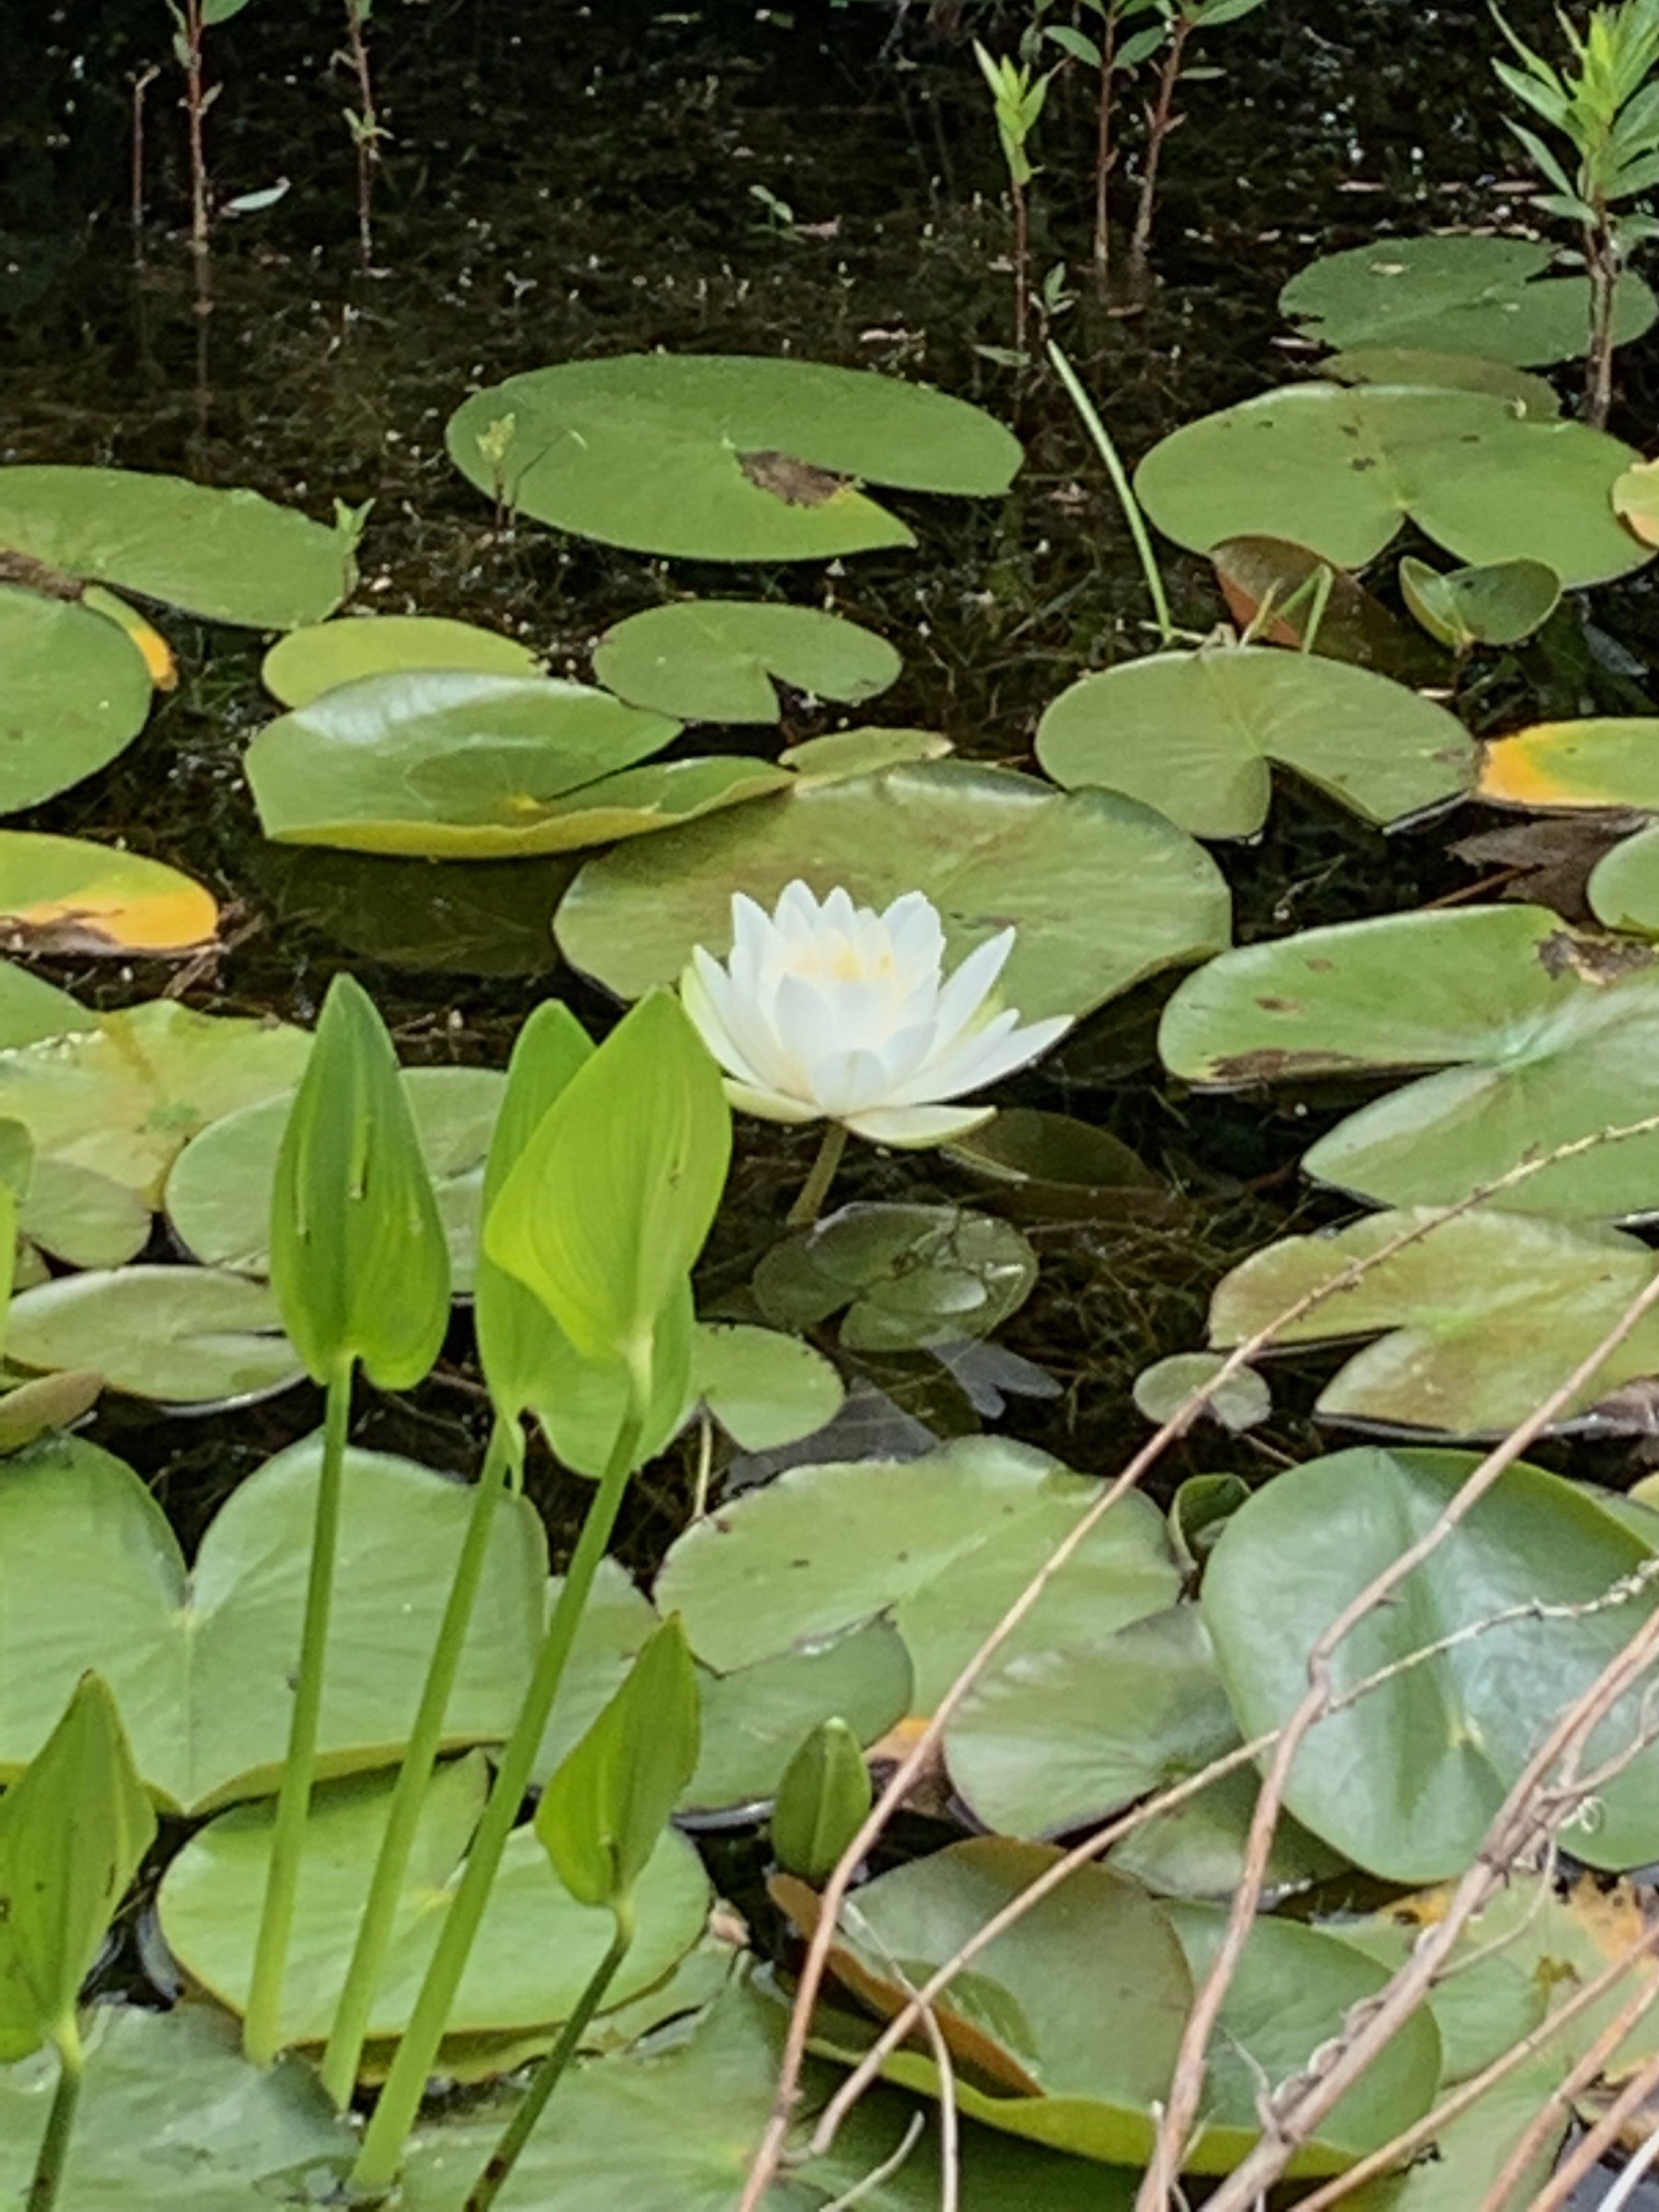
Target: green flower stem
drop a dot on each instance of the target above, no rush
(1120, 484)
(417, 2050)
(816, 1188)
(362, 1981)
(261, 2028)
(523, 2123)
(54, 2155)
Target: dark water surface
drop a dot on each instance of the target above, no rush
(567, 180)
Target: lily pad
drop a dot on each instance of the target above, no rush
(1102, 892)
(1452, 372)
(229, 555)
(716, 660)
(447, 917)
(1604, 761)
(1499, 605)
(1623, 885)
(77, 692)
(944, 1543)
(81, 1217)
(441, 762)
(1457, 293)
(66, 895)
(323, 655)
(171, 2119)
(31, 1010)
(536, 1949)
(1060, 1738)
(1082, 2062)
(840, 754)
(218, 1196)
(1201, 1848)
(1476, 1321)
(1242, 1402)
(1049, 1167)
(691, 2104)
(1193, 733)
(1405, 1779)
(183, 1335)
(1636, 500)
(1339, 471)
(124, 1097)
(1541, 1036)
(202, 1662)
(901, 1277)
(764, 1388)
(722, 457)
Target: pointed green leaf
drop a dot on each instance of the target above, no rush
(601, 1815)
(358, 1258)
(72, 1833)
(611, 1199)
(823, 1801)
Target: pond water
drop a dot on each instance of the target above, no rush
(566, 181)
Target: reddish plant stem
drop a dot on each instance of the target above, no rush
(1159, 124)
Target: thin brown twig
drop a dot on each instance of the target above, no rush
(1180, 2117)
(769, 2152)
(1595, 2143)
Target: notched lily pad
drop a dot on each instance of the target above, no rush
(1604, 761)
(722, 457)
(66, 896)
(182, 1335)
(76, 692)
(323, 655)
(901, 1277)
(717, 660)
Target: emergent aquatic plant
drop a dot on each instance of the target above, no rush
(1017, 97)
(1605, 104)
(826, 1011)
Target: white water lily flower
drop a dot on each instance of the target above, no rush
(832, 1011)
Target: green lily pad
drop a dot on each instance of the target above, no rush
(1161, 1390)
(323, 655)
(201, 1662)
(442, 761)
(690, 2105)
(218, 1196)
(1499, 605)
(123, 1097)
(1193, 733)
(536, 1949)
(1339, 471)
(1059, 1738)
(840, 754)
(1451, 372)
(171, 2119)
(460, 917)
(77, 692)
(1540, 1035)
(1476, 1321)
(944, 1543)
(901, 1277)
(722, 457)
(81, 1217)
(716, 660)
(183, 1335)
(1201, 1848)
(1456, 294)
(1623, 885)
(1081, 2061)
(229, 555)
(764, 1389)
(31, 1010)
(67, 895)
(1406, 1779)
(1049, 1167)
(1603, 761)
(1102, 892)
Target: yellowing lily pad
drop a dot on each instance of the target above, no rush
(1339, 471)
(124, 1096)
(230, 555)
(722, 457)
(323, 655)
(1102, 891)
(74, 692)
(1603, 761)
(1193, 733)
(65, 895)
(1636, 500)
(715, 660)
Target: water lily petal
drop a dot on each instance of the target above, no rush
(909, 1127)
(843, 1082)
(705, 993)
(986, 1055)
(968, 989)
(769, 1105)
(805, 1018)
(917, 938)
(756, 1053)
